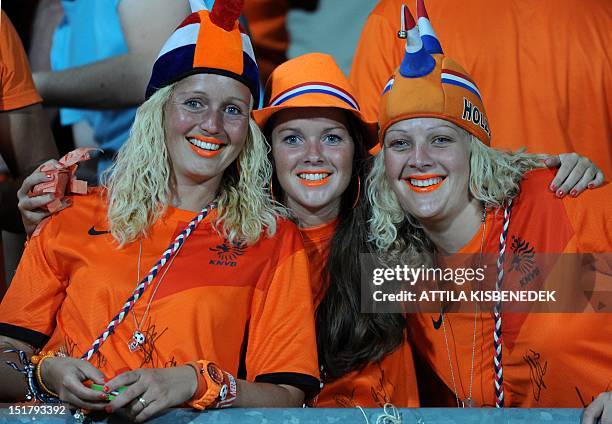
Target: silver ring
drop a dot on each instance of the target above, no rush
(143, 401)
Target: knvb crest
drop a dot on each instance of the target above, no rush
(227, 253)
(523, 260)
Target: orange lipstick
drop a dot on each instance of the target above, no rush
(205, 153)
(425, 177)
(314, 183)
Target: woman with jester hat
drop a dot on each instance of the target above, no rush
(543, 68)
(437, 190)
(210, 324)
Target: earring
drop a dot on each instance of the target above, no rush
(358, 192)
(272, 190)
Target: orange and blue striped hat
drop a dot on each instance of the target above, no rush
(430, 84)
(208, 42)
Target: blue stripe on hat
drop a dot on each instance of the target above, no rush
(388, 85)
(170, 67)
(316, 90)
(251, 74)
(460, 84)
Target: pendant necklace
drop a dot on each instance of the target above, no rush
(161, 263)
(467, 402)
(138, 337)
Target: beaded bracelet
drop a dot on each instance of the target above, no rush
(38, 360)
(28, 370)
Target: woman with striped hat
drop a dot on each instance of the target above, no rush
(438, 190)
(95, 317)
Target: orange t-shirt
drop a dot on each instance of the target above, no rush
(542, 67)
(549, 359)
(247, 308)
(16, 86)
(391, 380)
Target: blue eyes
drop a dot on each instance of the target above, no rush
(439, 141)
(196, 105)
(292, 139)
(328, 139)
(401, 143)
(398, 144)
(193, 104)
(332, 139)
(233, 110)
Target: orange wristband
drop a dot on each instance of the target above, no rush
(210, 382)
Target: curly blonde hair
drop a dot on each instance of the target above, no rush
(139, 185)
(396, 234)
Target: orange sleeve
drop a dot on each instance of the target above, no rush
(281, 342)
(591, 218)
(378, 53)
(29, 309)
(16, 86)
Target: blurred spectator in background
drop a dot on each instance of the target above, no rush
(284, 29)
(25, 138)
(101, 55)
(267, 25)
(547, 63)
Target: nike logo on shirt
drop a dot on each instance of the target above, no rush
(93, 232)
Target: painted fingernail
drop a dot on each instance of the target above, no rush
(553, 187)
(573, 193)
(106, 389)
(103, 396)
(591, 185)
(560, 194)
(108, 409)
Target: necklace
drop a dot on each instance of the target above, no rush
(146, 282)
(138, 337)
(468, 402)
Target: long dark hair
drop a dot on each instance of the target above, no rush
(348, 339)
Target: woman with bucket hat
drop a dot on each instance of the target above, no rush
(319, 141)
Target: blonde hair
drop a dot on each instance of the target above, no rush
(139, 185)
(494, 178)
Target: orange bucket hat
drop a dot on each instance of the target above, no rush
(311, 80)
(430, 84)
